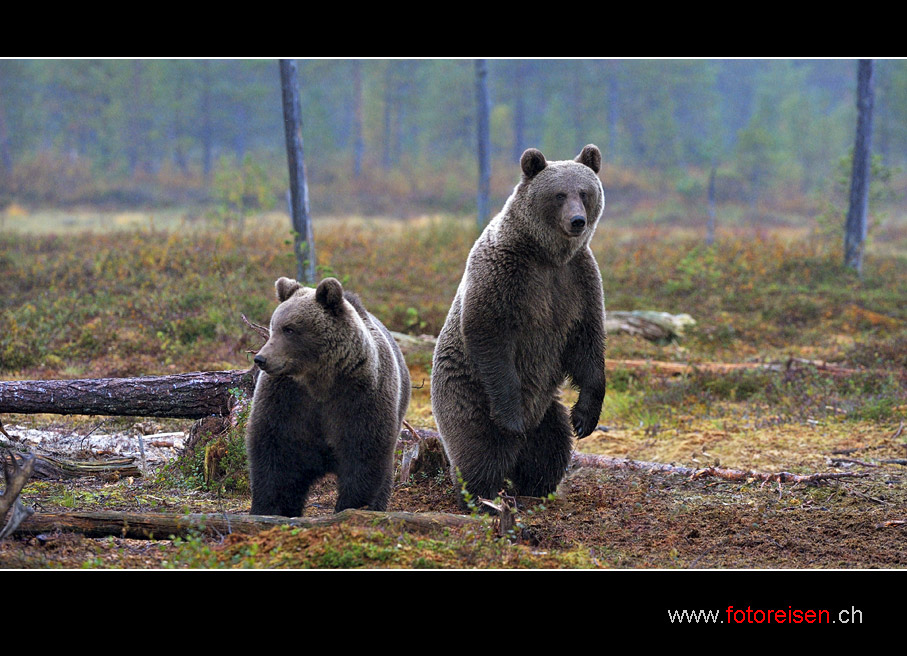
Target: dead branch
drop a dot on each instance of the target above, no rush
(581, 459)
(892, 522)
(16, 472)
(661, 368)
(263, 331)
(607, 462)
(165, 526)
(851, 461)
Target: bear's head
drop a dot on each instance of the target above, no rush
(311, 330)
(560, 202)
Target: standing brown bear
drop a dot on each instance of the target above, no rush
(529, 313)
(330, 398)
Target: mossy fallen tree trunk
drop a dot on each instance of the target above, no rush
(201, 394)
(191, 395)
(164, 526)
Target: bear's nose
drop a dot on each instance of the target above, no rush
(260, 361)
(578, 222)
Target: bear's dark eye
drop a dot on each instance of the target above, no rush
(288, 330)
(561, 197)
(582, 195)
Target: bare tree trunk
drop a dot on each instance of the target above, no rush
(613, 112)
(710, 226)
(303, 241)
(358, 145)
(6, 158)
(207, 130)
(137, 135)
(484, 151)
(390, 105)
(179, 151)
(855, 228)
(519, 112)
(190, 395)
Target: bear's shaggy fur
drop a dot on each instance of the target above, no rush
(331, 396)
(529, 313)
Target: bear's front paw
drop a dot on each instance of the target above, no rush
(584, 420)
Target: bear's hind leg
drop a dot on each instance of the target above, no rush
(364, 483)
(545, 455)
(483, 462)
(285, 496)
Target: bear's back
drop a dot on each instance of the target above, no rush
(391, 363)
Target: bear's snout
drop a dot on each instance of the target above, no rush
(574, 225)
(262, 362)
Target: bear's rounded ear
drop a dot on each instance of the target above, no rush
(285, 287)
(330, 294)
(532, 161)
(591, 156)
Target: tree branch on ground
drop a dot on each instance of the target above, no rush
(16, 472)
(165, 526)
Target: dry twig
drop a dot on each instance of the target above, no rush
(16, 473)
(851, 461)
(263, 331)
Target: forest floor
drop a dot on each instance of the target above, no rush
(600, 517)
(755, 301)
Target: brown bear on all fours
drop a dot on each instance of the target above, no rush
(331, 396)
(528, 314)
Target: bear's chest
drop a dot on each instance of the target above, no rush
(553, 304)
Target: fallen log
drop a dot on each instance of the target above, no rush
(191, 395)
(165, 526)
(790, 365)
(658, 327)
(580, 459)
(738, 475)
(202, 394)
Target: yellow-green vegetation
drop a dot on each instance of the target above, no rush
(148, 298)
(156, 297)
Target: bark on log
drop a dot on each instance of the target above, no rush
(658, 327)
(190, 395)
(161, 526)
(55, 468)
(607, 462)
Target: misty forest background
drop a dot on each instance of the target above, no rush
(170, 178)
(397, 137)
